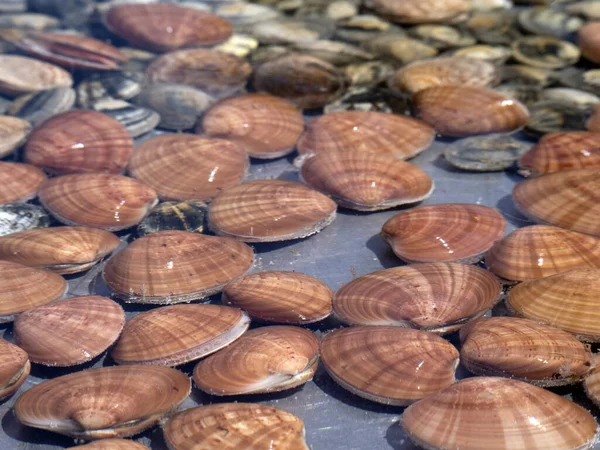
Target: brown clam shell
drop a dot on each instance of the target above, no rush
(448, 232)
(176, 266)
(588, 38)
(213, 72)
(467, 111)
(280, 297)
(69, 332)
(14, 368)
(80, 141)
(264, 125)
(270, 210)
(444, 71)
(23, 288)
(523, 349)
(497, 414)
(103, 403)
(188, 167)
(539, 251)
(387, 364)
(19, 182)
(367, 131)
(421, 11)
(235, 426)
(98, 200)
(591, 383)
(111, 444)
(166, 27)
(562, 151)
(569, 301)
(366, 181)
(569, 199)
(13, 132)
(20, 75)
(438, 297)
(63, 250)
(174, 335)
(266, 359)
(306, 81)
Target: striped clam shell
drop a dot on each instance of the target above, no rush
(19, 182)
(13, 132)
(14, 368)
(19, 75)
(40, 106)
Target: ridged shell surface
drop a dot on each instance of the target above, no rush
(14, 368)
(13, 132)
(588, 37)
(19, 182)
(111, 444)
(421, 11)
(20, 75)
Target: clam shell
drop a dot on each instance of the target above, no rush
(498, 413)
(363, 27)
(591, 383)
(334, 52)
(569, 199)
(569, 301)
(369, 73)
(443, 71)
(239, 426)
(265, 126)
(494, 27)
(270, 210)
(13, 132)
(14, 368)
(573, 77)
(528, 75)
(28, 21)
(111, 444)
(553, 116)
(98, 200)
(366, 181)
(438, 297)
(546, 21)
(387, 364)
(525, 93)
(69, 332)
(291, 31)
(176, 266)
(122, 85)
(280, 297)
(465, 111)
(19, 182)
(545, 52)
(367, 131)
(183, 216)
(523, 349)
(568, 95)
(213, 72)
(422, 11)
(166, 27)
(103, 403)
(485, 153)
(588, 38)
(79, 142)
(40, 106)
(398, 47)
(443, 36)
(493, 54)
(137, 120)
(239, 45)
(588, 9)
(593, 123)
(305, 81)
(267, 359)
(16, 217)
(188, 167)
(451, 232)
(174, 335)
(24, 288)
(19, 75)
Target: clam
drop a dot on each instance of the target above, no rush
(111, 444)
(98, 200)
(466, 111)
(366, 181)
(438, 297)
(524, 350)
(28, 21)
(78, 142)
(499, 413)
(19, 182)
(400, 48)
(591, 383)
(341, 9)
(494, 54)
(176, 266)
(305, 81)
(63, 250)
(525, 93)
(14, 368)
(593, 122)
(120, 85)
(369, 73)
(334, 52)
(451, 232)
(40, 106)
(13, 133)
(242, 15)
(443, 71)
(174, 335)
(213, 72)
(69, 332)
(573, 77)
(443, 36)
(103, 403)
(526, 75)
(569, 301)
(24, 288)
(166, 27)
(20, 75)
(387, 364)
(280, 297)
(545, 52)
(369, 98)
(554, 116)
(266, 359)
(368, 132)
(588, 9)
(539, 251)
(15, 217)
(363, 27)
(137, 120)
(183, 216)
(546, 21)
(265, 126)
(239, 45)
(493, 27)
(188, 167)
(292, 31)
(269, 211)
(239, 426)
(569, 199)
(422, 11)
(588, 38)
(569, 95)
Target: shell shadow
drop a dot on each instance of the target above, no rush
(27, 435)
(398, 439)
(202, 398)
(383, 252)
(48, 372)
(510, 212)
(157, 440)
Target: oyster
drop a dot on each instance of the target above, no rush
(19, 182)
(422, 11)
(40, 106)
(545, 52)
(16, 217)
(588, 38)
(183, 216)
(174, 335)
(485, 153)
(111, 444)
(14, 368)
(20, 75)
(546, 21)
(13, 133)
